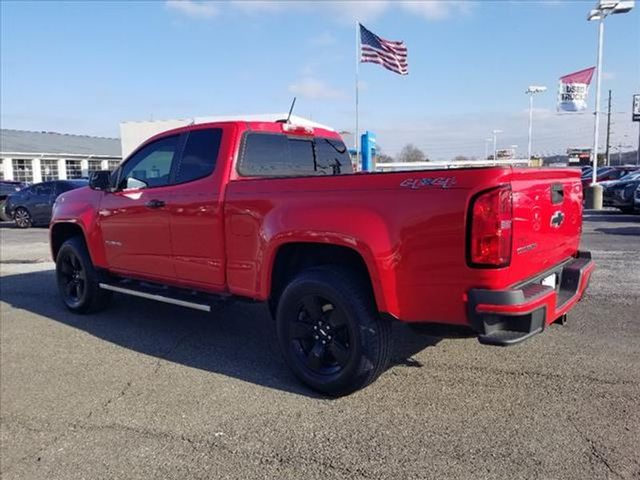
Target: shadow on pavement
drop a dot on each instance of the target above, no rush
(611, 217)
(238, 341)
(620, 231)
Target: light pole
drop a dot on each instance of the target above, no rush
(495, 139)
(603, 8)
(531, 91)
(487, 141)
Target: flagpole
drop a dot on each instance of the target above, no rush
(357, 139)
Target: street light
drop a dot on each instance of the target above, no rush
(495, 134)
(531, 91)
(603, 8)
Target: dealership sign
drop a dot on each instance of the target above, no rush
(573, 90)
(635, 116)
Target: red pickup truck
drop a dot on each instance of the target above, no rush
(273, 212)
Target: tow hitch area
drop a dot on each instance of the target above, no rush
(507, 317)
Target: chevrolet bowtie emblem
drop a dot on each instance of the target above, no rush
(557, 219)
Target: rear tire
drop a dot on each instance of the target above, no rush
(330, 332)
(78, 280)
(22, 218)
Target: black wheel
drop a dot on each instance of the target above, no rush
(78, 280)
(22, 218)
(626, 210)
(330, 333)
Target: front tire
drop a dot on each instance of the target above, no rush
(22, 218)
(78, 280)
(330, 332)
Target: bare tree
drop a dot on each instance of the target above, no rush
(383, 157)
(411, 153)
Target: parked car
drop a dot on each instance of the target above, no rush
(636, 200)
(8, 187)
(272, 212)
(608, 173)
(620, 194)
(32, 205)
(631, 175)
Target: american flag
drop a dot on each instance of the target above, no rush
(391, 55)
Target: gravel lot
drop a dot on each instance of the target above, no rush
(146, 390)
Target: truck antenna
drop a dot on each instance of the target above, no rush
(291, 110)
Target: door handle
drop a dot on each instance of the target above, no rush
(154, 204)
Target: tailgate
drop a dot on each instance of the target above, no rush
(547, 219)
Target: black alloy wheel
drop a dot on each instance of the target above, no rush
(22, 218)
(77, 278)
(331, 335)
(320, 336)
(72, 278)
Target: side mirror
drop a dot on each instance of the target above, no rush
(100, 180)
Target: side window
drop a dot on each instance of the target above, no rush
(332, 157)
(273, 155)
(199, 155)
(62, 187)
(44, 189)
(151, 166)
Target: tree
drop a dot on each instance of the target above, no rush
(383, 157)
(461, 158)
(411, 153)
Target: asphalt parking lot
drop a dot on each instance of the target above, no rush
(146, 390)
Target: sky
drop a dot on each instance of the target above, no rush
(85, 66)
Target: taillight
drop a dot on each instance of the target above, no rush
(491, 228)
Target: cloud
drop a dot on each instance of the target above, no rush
(436, 9)
(315, 89)
(342, 11)
(258, 6)
(193, 8)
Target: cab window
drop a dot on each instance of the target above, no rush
(199, 155)
(150, 166)
(276, 155)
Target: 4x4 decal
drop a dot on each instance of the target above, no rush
(417, 183)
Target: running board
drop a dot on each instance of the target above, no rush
(158, 298)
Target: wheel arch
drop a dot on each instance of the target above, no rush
(290, 258)
(61, 232)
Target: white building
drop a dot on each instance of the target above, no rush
(34, 157)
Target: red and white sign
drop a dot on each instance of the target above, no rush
(573, 90)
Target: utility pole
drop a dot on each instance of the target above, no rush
(606, 155)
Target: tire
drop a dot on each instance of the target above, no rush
(78, 280)
(330, 332)
(22, 218)
(626, 210)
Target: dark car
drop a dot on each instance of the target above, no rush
(32, 205)
(606, 174)
(8, 187)
(620, 194)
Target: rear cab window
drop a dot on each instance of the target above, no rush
(200, 155)
(279, 155)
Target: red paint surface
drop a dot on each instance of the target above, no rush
(222, 233)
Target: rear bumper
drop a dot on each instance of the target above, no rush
(505, 317)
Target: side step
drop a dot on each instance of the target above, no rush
(504, 338)
(183, 298)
